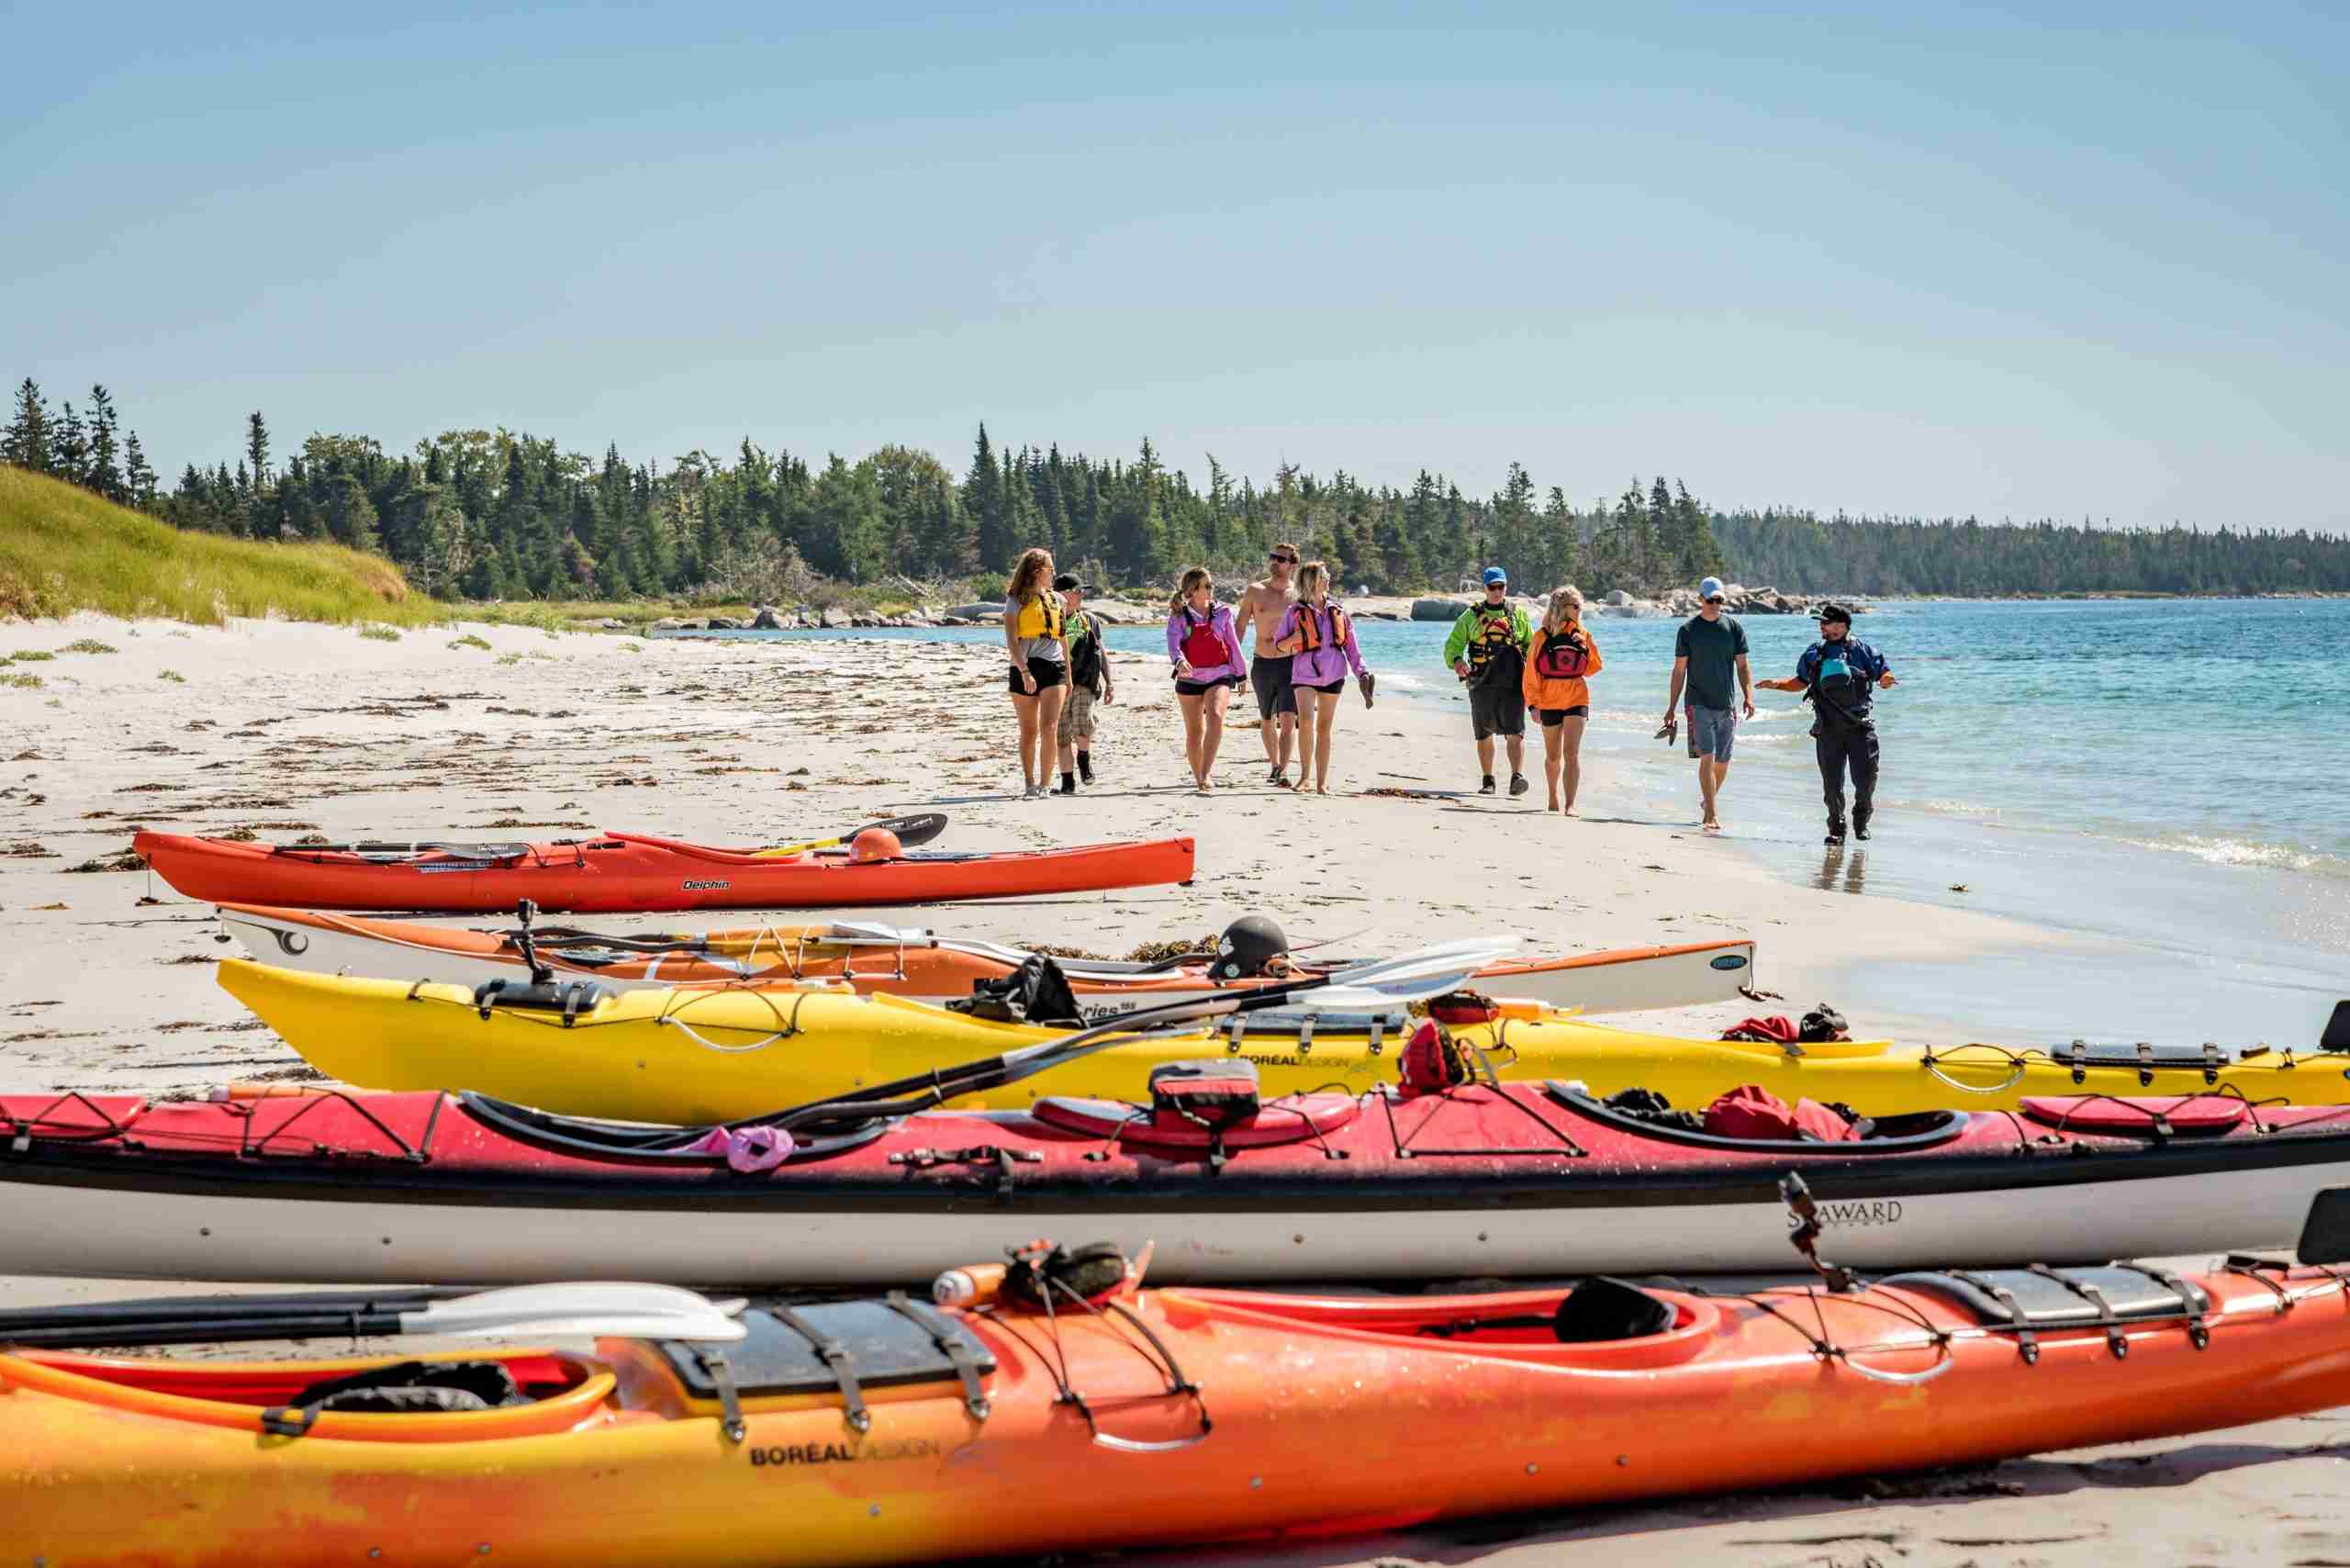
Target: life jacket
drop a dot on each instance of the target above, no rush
(1752, 1111)
(1494, 652)
(1203, 649)
(1564, 655)
(1309, 627)
(1045, 621)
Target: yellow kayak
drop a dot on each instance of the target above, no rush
(696, 1056)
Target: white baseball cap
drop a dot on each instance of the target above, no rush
(1711, 588)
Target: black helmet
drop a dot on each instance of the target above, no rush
(1247, 945)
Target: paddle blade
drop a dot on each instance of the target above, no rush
(639, 1311)
(1426, 971)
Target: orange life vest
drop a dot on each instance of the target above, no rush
(1309, 627)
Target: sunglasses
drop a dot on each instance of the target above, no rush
(1286, 560)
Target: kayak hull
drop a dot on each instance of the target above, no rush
(1512, 1180)
(690, 1056)
(1325, 1414)
(635, 873)
(920, 966)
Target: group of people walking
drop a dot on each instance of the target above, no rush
(1304, 648)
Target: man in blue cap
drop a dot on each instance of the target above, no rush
(1707, 654)
(1487, 651)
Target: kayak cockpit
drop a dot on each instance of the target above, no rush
(459, 1398)
(1600, 1322)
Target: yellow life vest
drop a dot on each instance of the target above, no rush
(1040, 617)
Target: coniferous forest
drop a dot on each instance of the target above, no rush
(484, 515)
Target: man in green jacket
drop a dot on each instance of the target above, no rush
(1487, 651)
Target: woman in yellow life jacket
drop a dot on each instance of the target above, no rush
(1563, 654)
(1321, 642)
(1033, 637)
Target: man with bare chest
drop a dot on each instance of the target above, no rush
(1260, 614)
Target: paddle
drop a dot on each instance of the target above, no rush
(1358, 987)
(525, 1312)
(918, 829)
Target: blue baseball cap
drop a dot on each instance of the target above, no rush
(1495, 575)
(1711, 588)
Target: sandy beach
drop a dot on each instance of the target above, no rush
(477, 731)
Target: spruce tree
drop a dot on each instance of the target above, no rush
(27, 442)
(257, 450)
(105, 465)
(136, 476)
(69, 448)
(983, 503)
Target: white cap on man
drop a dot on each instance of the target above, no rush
(1711, 588)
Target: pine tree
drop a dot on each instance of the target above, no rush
(105, 466)
(983, 503)
(136, 476)
(257, 450)
(28, 440)
(69, 448)
(1561, 543)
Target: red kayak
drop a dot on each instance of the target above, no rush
(1527, 1178)
(633, 873)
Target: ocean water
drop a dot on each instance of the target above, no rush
(2168, 775)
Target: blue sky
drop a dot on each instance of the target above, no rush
(2090, 260)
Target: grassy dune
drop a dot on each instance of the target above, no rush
(63, 549)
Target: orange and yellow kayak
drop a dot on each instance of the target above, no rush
(915, 963)
(1167, 1416)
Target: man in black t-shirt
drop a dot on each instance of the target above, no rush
(1709, 659)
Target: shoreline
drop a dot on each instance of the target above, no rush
(282, 729)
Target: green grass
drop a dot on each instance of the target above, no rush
(175, 677)
(24, 682)
(380, 634)
(29, 657)
(89, 646)
(63, 549)
(468, 641)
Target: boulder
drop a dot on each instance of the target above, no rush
(671, 623)
(979, 611)
(766, 619)
(1437, 608)
(830, 618)
(722, 623)
(1618, 596)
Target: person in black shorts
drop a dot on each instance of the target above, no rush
(1034, 639)
(1562, 654)
(1487, 651)
(1205, 652)
(1262, 606)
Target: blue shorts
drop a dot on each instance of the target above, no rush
(1712, 731)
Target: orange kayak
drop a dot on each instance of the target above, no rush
(1167, 1416)
(921, 965)
(630, 872)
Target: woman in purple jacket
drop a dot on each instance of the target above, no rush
(1320, 640)
(1206, 651)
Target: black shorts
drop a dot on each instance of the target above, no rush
(1269, 676)
(1048, 672)
(1553, 716)
(1497, 710)
(1201, 687)
(1330, 691)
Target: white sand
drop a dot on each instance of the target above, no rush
(290, 729)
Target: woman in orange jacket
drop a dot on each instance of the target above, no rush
(1561, 655)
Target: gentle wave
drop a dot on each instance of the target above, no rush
(2219, 850)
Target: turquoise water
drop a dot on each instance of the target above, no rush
(2168, 774)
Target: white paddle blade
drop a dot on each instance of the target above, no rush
(1429, 971)
(642, 1311)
